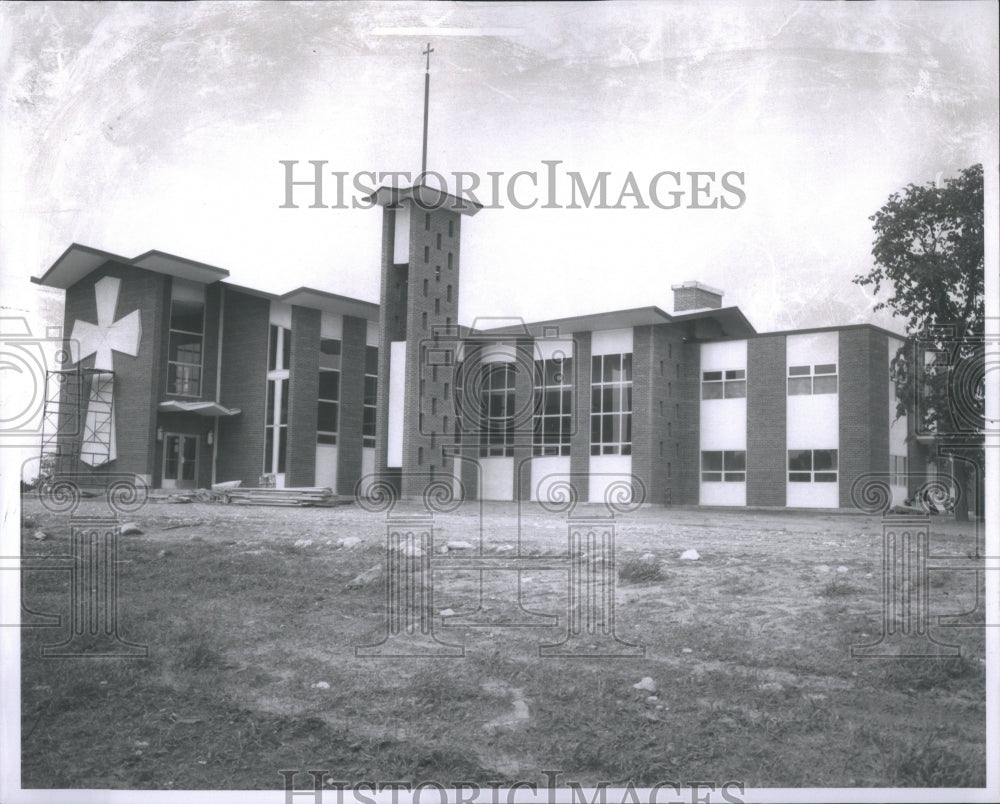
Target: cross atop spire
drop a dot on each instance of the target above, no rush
(427, 94)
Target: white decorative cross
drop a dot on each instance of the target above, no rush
(102, 338)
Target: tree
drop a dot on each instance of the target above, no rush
(928, 252)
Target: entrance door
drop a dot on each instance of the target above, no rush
(180, 461)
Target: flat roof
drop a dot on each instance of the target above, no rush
(734, 323)
(331, 303)
(424, 196)
(835, 328)
(78, 261)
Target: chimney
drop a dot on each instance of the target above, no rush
(695, 296)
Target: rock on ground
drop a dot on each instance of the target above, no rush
(460, 545)
(130, 529)
(348, 542)
(646, 684)
(366, 578)
(690, 555)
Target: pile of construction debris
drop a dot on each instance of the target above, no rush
(233, 492)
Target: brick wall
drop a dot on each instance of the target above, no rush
(695, 299)
(244, 378)
(352, 391)
(767, 404)
(579, 460)
(303, 391)
(136, 378)
(687, 413)
(859, 431)
(433, 268)
(645, 410)
(864, 406)
(524, 390)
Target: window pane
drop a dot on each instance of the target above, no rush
(286, 354)
(826, 368)
(185, 348)
(272, 352)
(627, 394)
(329, 385)
(269, 409)
(326, 438)
(371, 390)
(711, 390)
(736, 374)
(710, 376)
(329, 353)
(329, 346)
(825, 385)
(567, 400)
(268, 449)
(736, 477)
(609, 400)
(282, 431)
(595, 400)
(799, 386)
(612, 368)
(595, 430)
(824, 459)
(711, 461)
(371, 360)
(608, 428)
(735, 461)
(627, 367)
(187, 316)
(552, 402)
(283, 413)
(799, 477)
(797, 370)
(627, 428)
(736, 389)
(826, 477)
(595, 368)
(711, 477)
(799, 460)
(326, 416)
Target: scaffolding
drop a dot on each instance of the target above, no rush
(77, 422)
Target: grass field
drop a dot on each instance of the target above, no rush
(749, 647)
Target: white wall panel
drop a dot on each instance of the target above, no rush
(496, 478)
(545, 471)
(605, 470)
(611, 342)
(397, 403)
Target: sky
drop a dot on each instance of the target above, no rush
(130, 127)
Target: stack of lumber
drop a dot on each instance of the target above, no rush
(299, 497)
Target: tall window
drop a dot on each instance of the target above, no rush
(812, 466)
(371, 391)
(818, 379)
(187, 337)
(724, 384)
(276, 412)
(328, 402)
(553, 406)
(496, 437)
(729, 466)
(611, 405)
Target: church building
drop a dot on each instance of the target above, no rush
(173, 373)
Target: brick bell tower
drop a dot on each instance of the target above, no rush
(419, 338)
